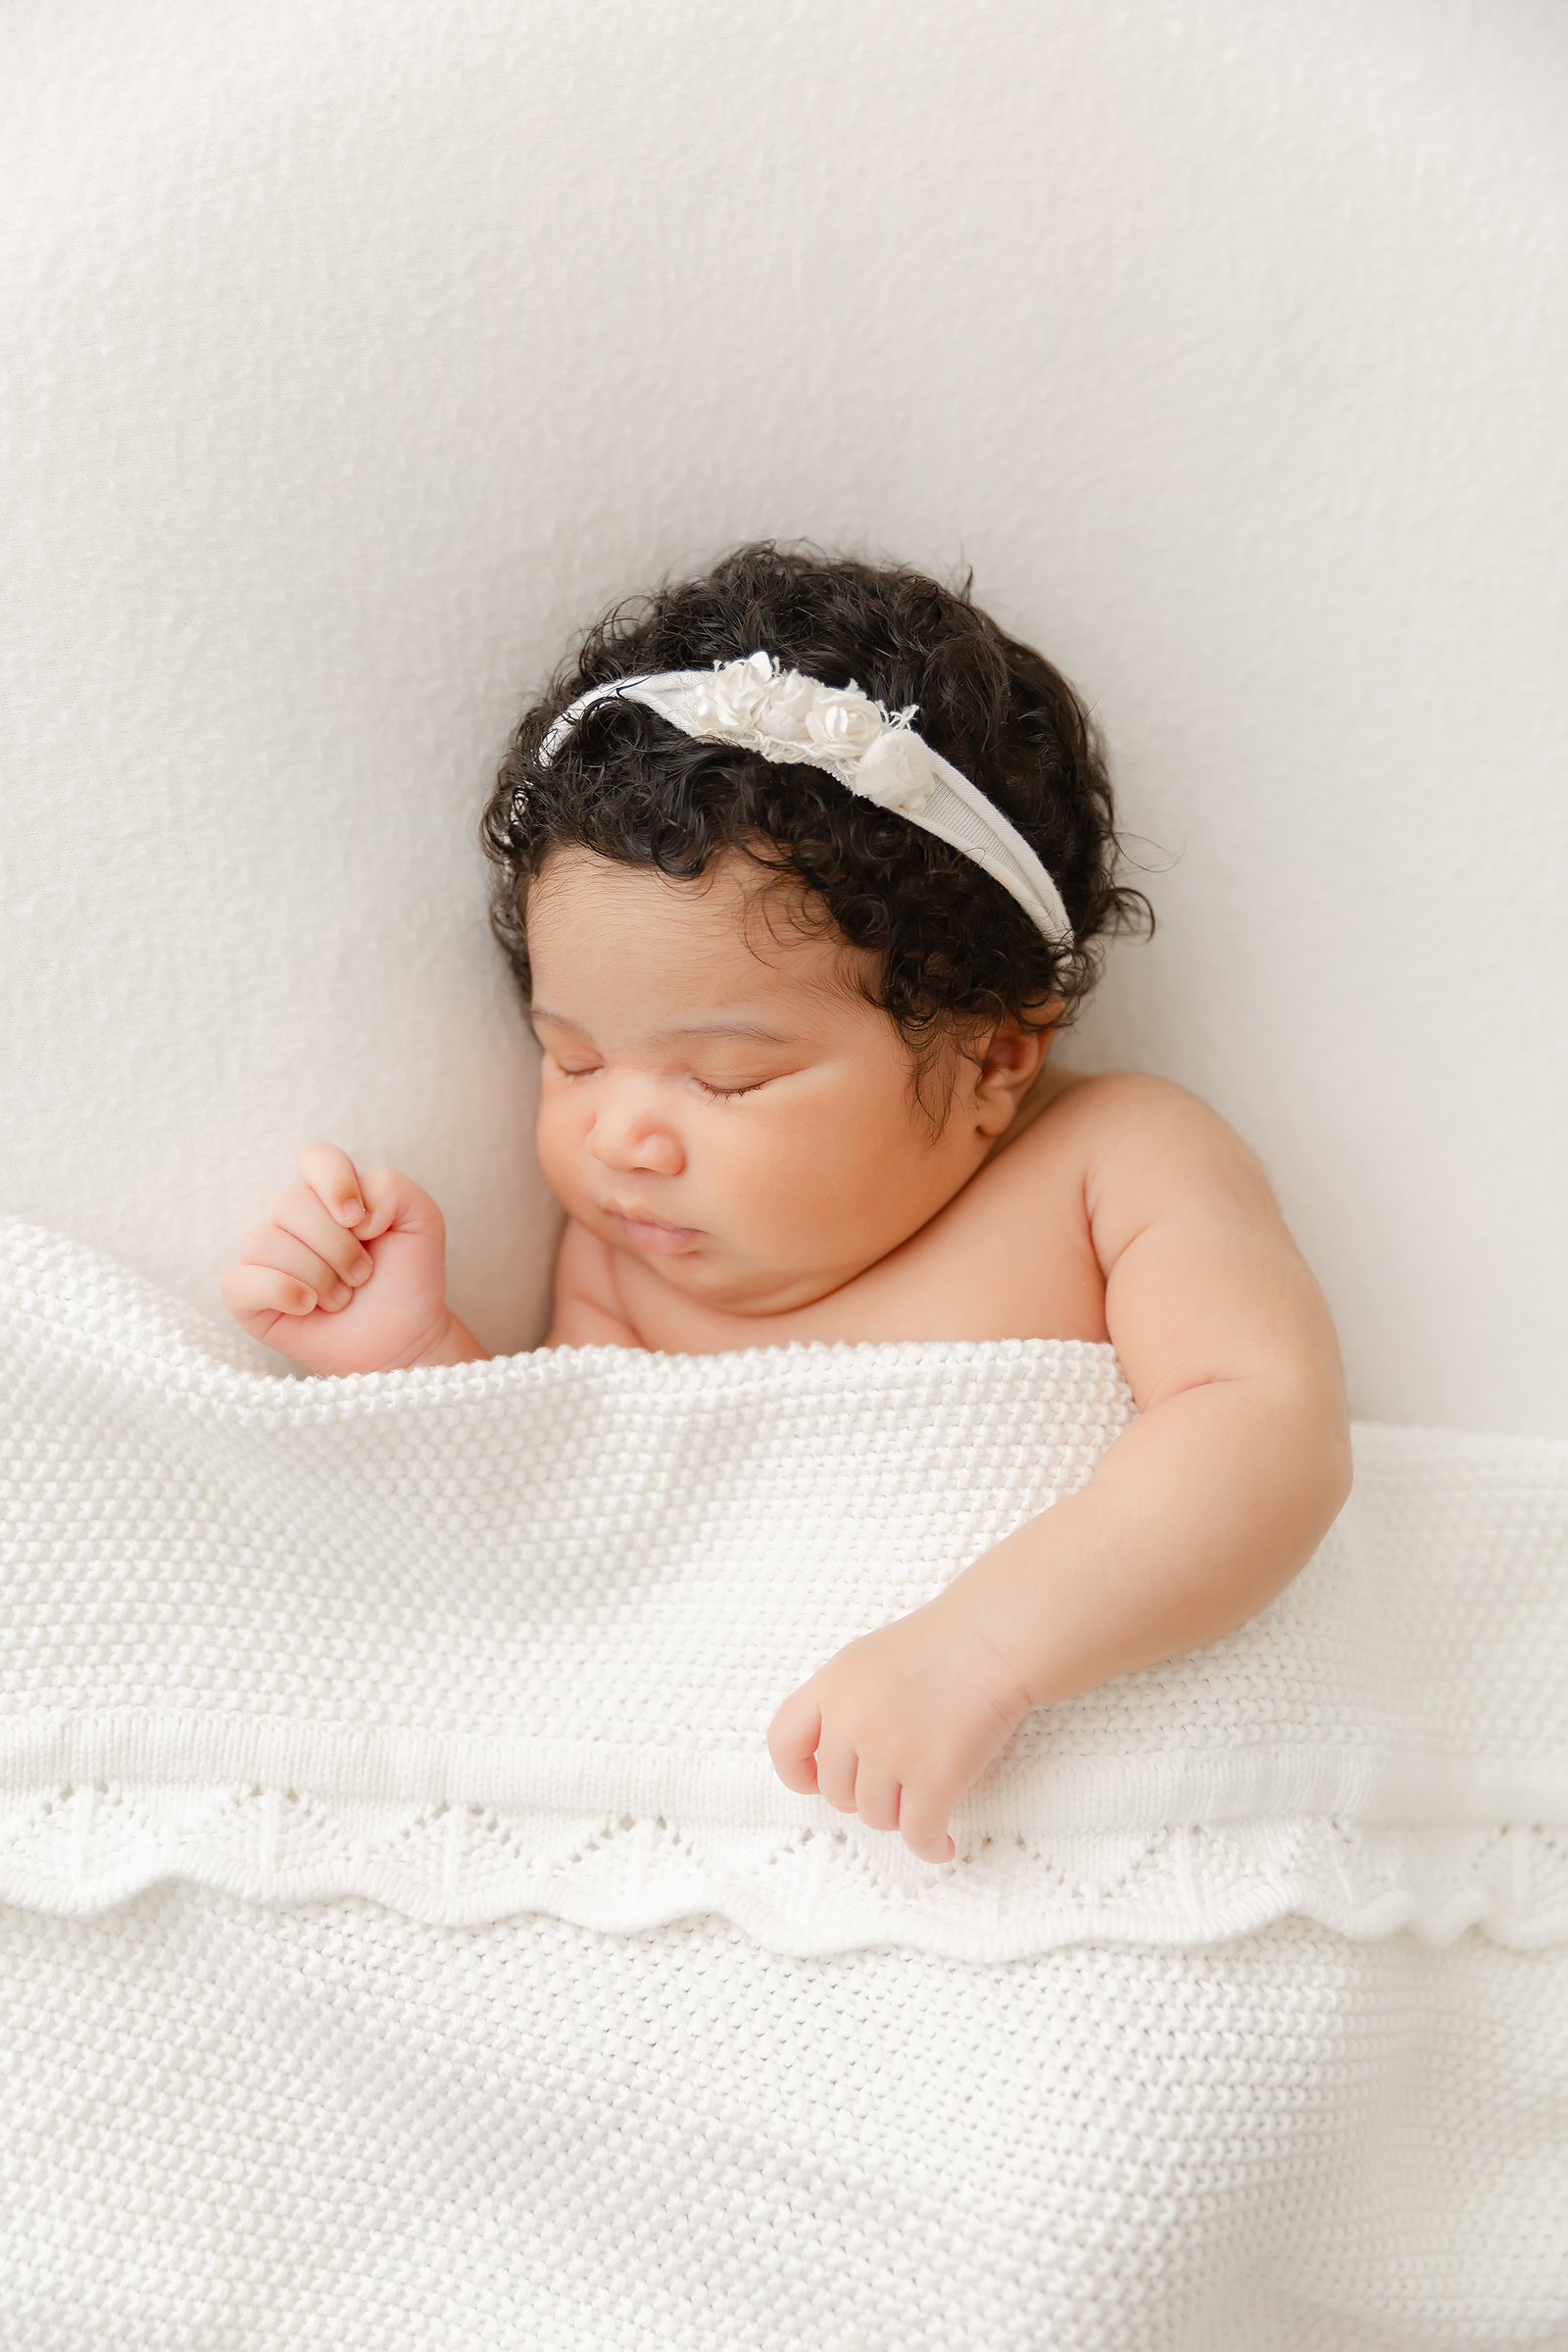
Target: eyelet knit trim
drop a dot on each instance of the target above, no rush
(83, 1849)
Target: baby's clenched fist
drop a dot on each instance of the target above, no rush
(349, 1274)
(897, 1725)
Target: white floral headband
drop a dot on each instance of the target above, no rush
(872, 751)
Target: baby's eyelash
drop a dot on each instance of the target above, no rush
(726, 1094)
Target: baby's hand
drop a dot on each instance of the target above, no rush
(350, 1276)
(899, 1724)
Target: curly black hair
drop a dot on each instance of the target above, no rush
(954, 951)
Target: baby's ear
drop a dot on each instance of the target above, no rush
(1013, 1055)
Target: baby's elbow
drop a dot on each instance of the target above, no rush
(1328, 1467)
(1301, 1443)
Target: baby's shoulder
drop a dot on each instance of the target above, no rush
(1125, 1133)
(1125, 1111)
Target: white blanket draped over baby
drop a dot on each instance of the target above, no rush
(391, 1673)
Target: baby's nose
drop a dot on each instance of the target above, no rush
(630, 1135)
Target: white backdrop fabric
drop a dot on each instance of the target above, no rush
(359, 354)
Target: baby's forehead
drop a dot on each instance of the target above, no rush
(578, 885)
(721, 948)
(692, 1026)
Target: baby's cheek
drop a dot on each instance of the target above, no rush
(560, 1149)
(846, 1195)
(791, 1195)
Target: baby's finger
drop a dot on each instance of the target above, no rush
(836, 1769)
(303, 1213)
(924, 1825)
(876, 1797)
(331, 1174)
(392, 1198)
(284, 1254)
(792, 1738)
(258, 1294)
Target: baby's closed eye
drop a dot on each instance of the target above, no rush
(726, 1092)
(719, 1087)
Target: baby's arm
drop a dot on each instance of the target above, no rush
(350, 1274)
(1197, 1515)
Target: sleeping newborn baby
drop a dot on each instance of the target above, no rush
(800, 867)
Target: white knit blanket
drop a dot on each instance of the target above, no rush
(383, 1762)
(508, 1638)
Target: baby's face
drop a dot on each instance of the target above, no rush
(715, 1096)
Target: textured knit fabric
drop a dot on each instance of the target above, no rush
(234, 2127)
(404, 1938)
(508, 1636)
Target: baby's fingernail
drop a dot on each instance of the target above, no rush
(341, 1293)
(351, 1211)
(362, 1272)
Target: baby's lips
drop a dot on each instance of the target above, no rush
(653, 1233)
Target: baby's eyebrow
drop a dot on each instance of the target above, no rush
(721, 1028)
(717, 1027)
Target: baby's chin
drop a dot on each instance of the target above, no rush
(730, 1284)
